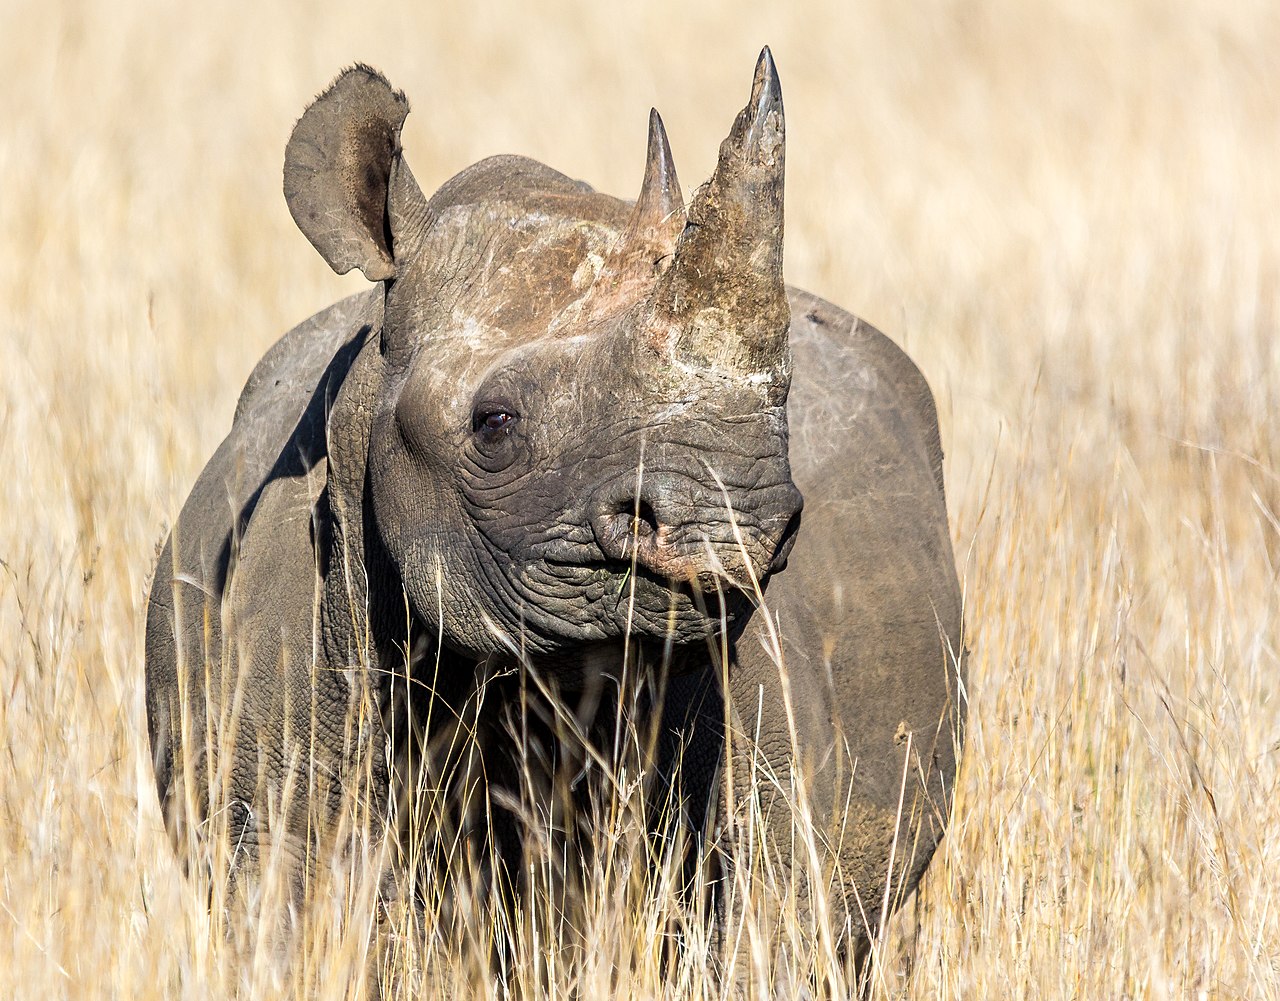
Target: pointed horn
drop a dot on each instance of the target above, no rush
(658, 218)
(652, 230)
(724, 292)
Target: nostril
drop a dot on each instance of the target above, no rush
(635, 521)
(641, 518)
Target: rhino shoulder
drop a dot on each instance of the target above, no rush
(244, 534)
(292, 366)
(278, 421)
(843, 366)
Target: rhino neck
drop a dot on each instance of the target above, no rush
(360, 589)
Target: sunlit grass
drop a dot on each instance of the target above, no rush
(1067, 214)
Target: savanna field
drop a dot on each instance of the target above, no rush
(1067, 213)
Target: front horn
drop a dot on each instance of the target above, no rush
(724, 296)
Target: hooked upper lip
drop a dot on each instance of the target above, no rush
(678, 530)
(742, 563)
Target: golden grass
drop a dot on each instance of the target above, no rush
(1067, 212)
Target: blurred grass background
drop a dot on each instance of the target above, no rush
(1066, 212)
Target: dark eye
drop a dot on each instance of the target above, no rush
(494, 420)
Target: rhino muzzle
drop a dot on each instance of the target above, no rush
(684, 531)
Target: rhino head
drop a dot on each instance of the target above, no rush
(572, 426)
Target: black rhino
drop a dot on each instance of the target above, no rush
(571, 436)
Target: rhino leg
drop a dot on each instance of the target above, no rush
(259, 743)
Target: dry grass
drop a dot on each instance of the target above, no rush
(1067, 212)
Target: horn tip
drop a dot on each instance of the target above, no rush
(660, 168)
(765, 86)
(657, 134)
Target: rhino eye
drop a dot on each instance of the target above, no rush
(493, 420)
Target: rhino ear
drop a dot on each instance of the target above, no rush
(344, 180)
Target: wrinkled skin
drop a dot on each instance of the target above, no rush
(559, 421)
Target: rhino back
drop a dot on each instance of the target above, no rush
(277, 435)
(873, 574)
(283, 382)
(868, 608)
(851, 380)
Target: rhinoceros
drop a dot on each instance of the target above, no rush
(564, 440)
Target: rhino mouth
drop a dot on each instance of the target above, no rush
(662, 522)
(654, 577)
(620, 587)
(686, 579)
(743, 566)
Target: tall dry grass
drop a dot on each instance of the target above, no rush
(1067, 212)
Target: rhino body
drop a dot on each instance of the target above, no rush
(319, 598)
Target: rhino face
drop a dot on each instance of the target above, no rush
(572, 499)
(579, 427)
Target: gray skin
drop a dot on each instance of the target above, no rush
(559, 424)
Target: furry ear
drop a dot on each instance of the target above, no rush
(343, 174)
